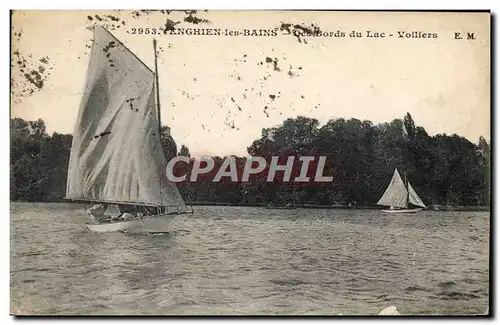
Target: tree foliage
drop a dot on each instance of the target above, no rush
(361, 157)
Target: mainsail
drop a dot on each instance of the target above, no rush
(396, 194)
(414, 198)
(116, 155)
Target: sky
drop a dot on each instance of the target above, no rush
(217, 93)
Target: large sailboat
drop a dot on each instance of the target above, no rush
(401, 197)
(116, 155)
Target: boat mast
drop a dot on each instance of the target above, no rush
(157, 89)
(407, 190)
(158, 110)
(157, 86)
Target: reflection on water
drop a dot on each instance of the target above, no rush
(235, 260)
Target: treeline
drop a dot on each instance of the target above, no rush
(361, 157)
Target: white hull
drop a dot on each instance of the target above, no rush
(154, 224)
(403, 210)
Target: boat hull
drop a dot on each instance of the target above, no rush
(154, 224)
(403, 210)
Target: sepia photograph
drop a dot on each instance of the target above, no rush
(254, 163)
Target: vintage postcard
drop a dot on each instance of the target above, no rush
(195, 162)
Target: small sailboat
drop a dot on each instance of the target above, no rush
(116, 155)
(400, 197)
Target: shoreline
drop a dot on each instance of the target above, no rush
(305, 206)
(338, 206)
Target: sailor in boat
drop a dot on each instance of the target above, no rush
(130, 212)
(97, 212)
(127, 212)
(127, 216)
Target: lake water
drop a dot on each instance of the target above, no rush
(237, 260)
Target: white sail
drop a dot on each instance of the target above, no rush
(414, 198)
(116, 155)
(396, 194)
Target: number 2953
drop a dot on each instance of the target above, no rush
(146, 31)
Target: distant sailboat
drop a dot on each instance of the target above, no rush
(400, 197)
(116, 155)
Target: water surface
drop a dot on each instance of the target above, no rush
(237, 260)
